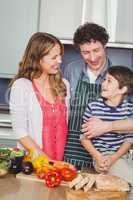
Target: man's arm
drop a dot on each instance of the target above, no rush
(95, 127)
(122, 126)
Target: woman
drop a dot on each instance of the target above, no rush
(39, 97)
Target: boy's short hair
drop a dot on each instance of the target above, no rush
(90, 32)
(124, 76)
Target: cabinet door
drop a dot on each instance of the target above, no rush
(18, 20)
(120, 17)
(60, 17)
(124, 24)
(95, 11)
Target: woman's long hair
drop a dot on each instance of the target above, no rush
(38, 46)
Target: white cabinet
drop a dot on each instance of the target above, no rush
(120, 16)
(18, 20)
(61, 17)
(95, 11)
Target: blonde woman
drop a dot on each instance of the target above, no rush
(39, 97)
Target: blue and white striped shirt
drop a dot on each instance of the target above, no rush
(110, 141)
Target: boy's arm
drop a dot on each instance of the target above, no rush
(100, 160)
(87, 144)
(121, 151)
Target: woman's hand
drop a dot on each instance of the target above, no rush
(95, 127)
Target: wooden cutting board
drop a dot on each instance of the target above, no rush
(80, 195)
(33, 177)
(94, 195)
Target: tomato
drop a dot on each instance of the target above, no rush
(53, 179)
(68, 174)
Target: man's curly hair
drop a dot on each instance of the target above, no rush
(90, 32)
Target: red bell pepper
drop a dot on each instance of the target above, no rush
(53, 179)
(68, 174)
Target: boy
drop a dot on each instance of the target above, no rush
(108, 151)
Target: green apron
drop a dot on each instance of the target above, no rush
(74, 151)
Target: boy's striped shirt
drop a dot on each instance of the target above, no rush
(110, 141)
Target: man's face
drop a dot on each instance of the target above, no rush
(94, 55)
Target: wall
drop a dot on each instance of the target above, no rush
(118, 56)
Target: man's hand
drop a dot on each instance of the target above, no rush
(95, 127)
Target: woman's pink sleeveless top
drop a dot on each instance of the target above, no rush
(54, 130)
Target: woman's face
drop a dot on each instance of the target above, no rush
(50, 63)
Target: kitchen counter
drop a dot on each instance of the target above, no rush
(17, 189)
(12, 188)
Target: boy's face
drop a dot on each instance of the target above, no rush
(110, 88)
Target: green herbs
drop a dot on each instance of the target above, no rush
(5, 152)
(4, 163)
(16, 152)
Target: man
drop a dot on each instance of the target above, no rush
(85, 79)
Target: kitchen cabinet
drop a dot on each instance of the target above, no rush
(95, 11)
(61, 17)
(18, 20)
(120, 16)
